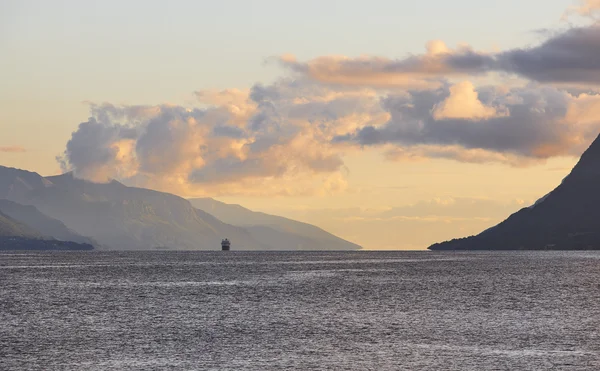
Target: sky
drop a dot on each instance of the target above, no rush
(394, 124)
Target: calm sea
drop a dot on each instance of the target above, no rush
(300, 311)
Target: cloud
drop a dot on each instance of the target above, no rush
(584, 110)
(585, 8)
(416, 71)
(463, 103)
(536, 123)
(239, 142)
(571, 56)
(290, 137)
(455, 152)
(422, 219)
(96, 149)
(12, 149)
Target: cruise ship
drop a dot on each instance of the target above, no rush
(225, 245)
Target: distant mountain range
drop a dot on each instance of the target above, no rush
(568, 218)
(274, 230)
(115, 216)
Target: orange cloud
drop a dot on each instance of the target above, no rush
(567, 57)
(420, 71)
(586, 8)
(269, 140)
(458, 153)
(584, 109)
(12, 149)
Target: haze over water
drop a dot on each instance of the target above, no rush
(300, 310)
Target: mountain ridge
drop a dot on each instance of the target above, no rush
(272, 229)
(128, 218)
(17, 236)
(567, 218)
(30, 216)
(10, 227)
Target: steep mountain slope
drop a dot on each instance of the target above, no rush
(121, 217)
(10, 227)
(15, 235)
(275, 231)
(567, 218)
(15, 184)
(30, 216)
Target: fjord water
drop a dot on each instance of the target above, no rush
(300, 310)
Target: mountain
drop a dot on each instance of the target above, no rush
(127, 218)
(121, 217)
(568, 218)
(16, 184)
(15, 235)
(275, 231)
(12, 243)
(10, 227)
(30, 216)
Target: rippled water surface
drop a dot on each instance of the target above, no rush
(300, 310)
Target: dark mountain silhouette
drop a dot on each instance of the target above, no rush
(275, 231)
(12, 243)
(568, 218)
